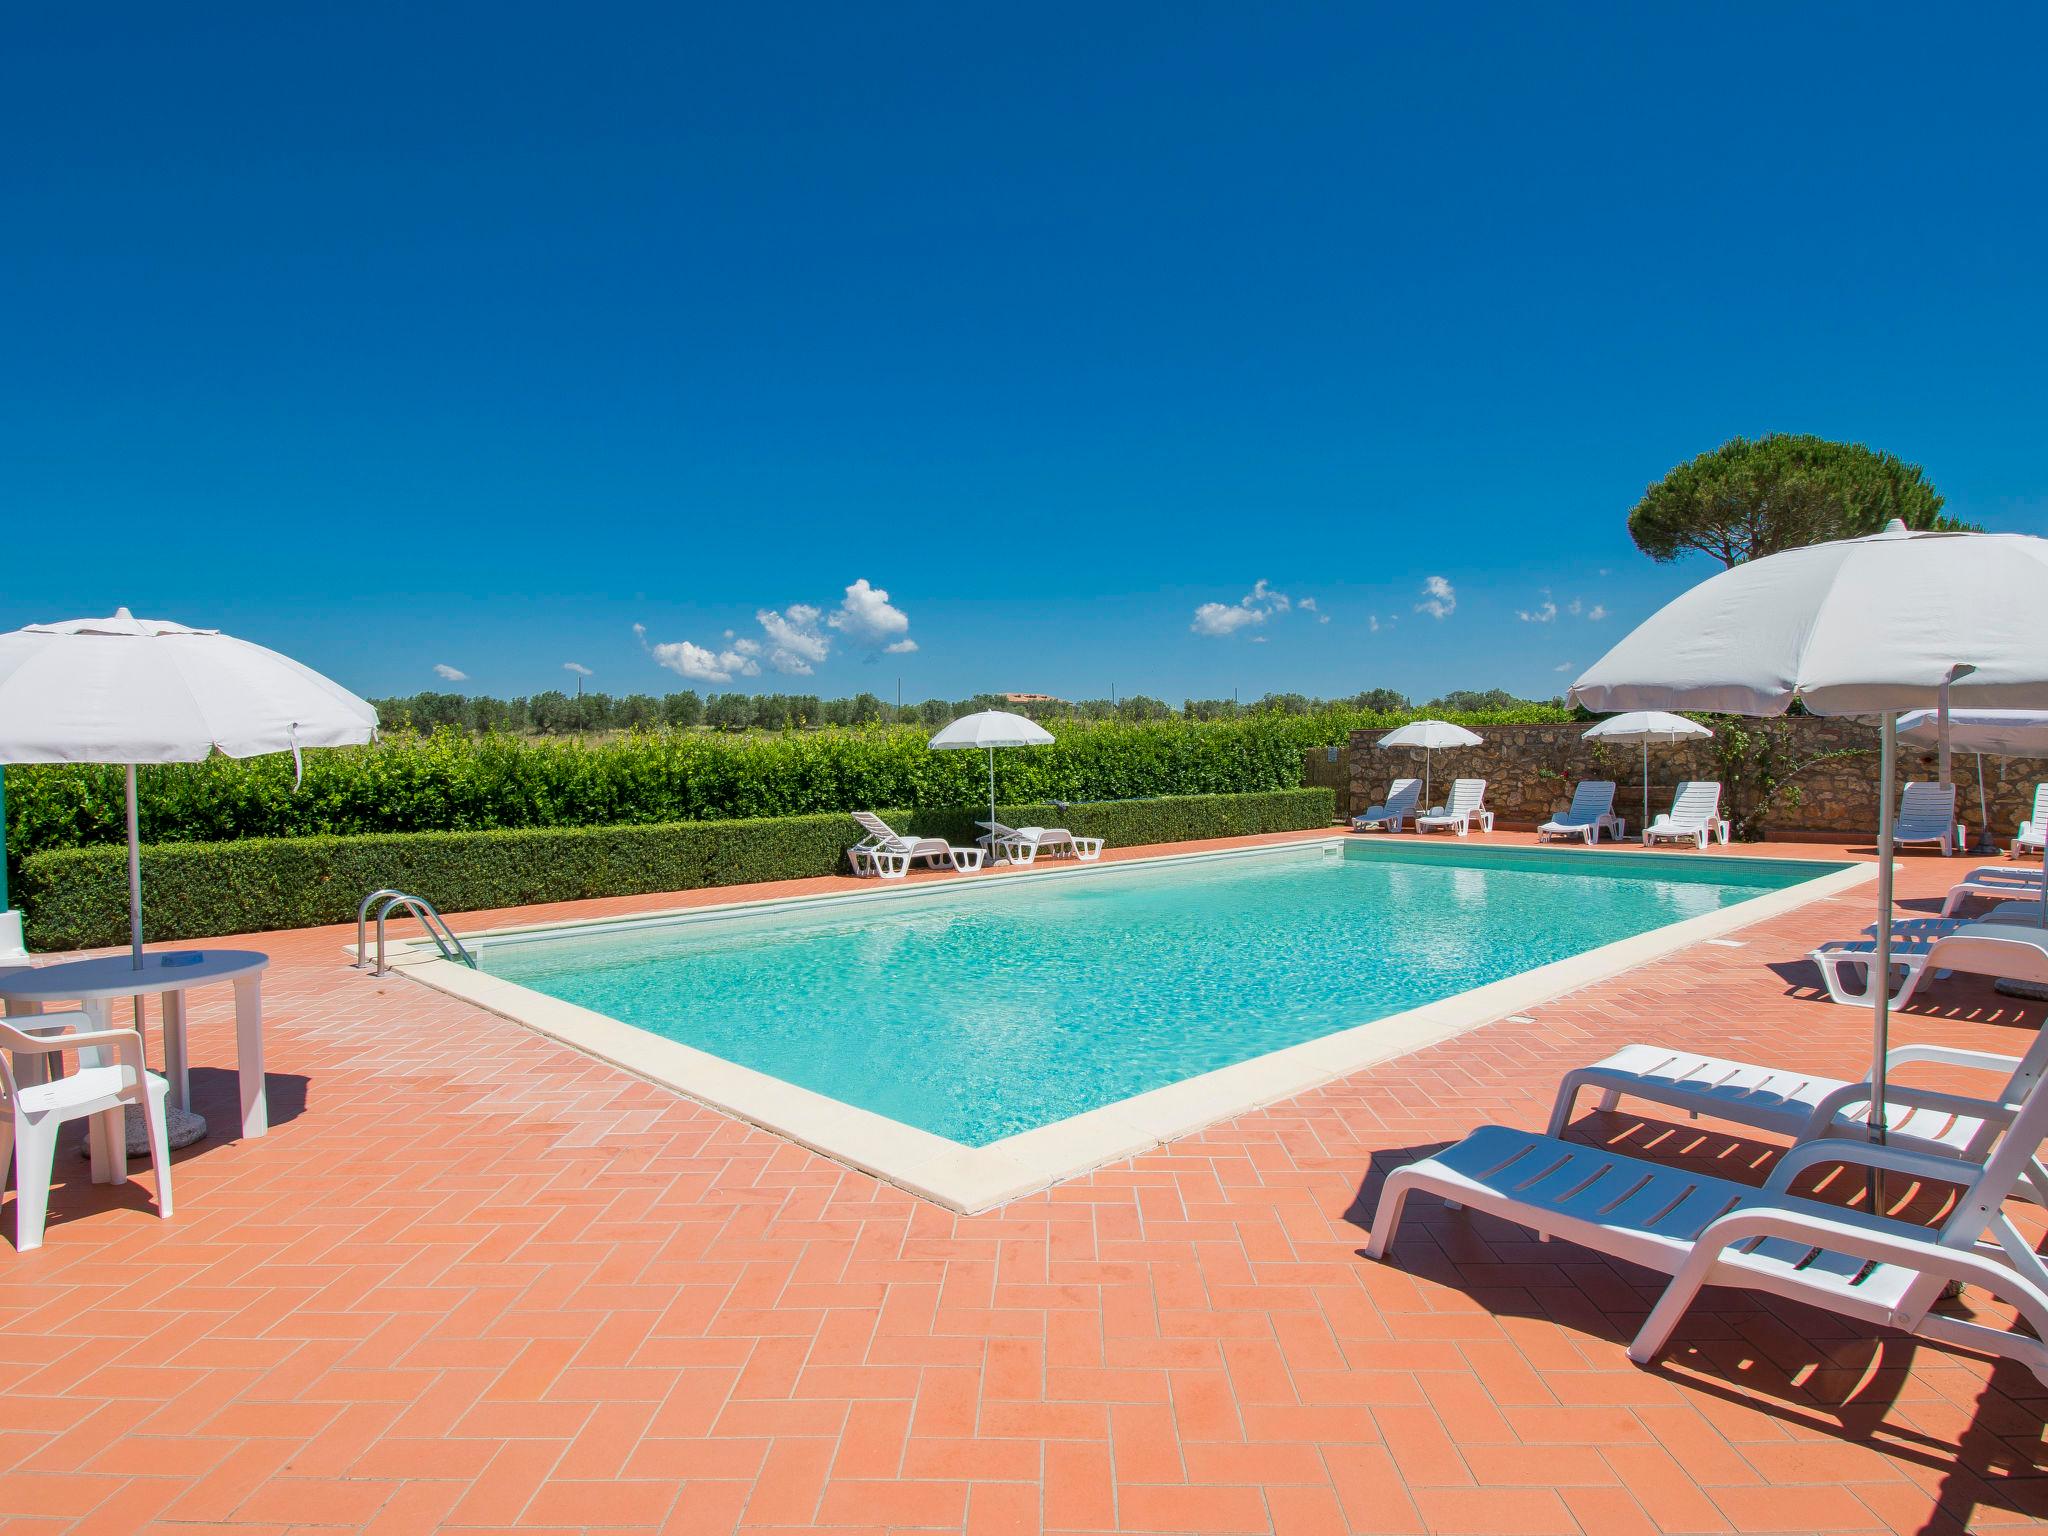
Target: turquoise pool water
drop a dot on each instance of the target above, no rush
(979, 1009)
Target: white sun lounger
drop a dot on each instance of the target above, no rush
(1707, 1231)
(886, 853)
(1023, 845)
(1466, 805)
(1805, 1106)
(1927, 814)
(1403, 796)
(2033, 834)
(1695, 816)
(1993, 882)
(2009, 950)
(1591, 813)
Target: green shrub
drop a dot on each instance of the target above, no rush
(451, 782)
(77, 898)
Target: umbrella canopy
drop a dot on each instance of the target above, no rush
(1431, 736)
(1860, 626)
(1856, 627)
(2001, 732)
(989, 729)
(992, 728)
(1647, 728)
(128, 690)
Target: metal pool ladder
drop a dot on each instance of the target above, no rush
(437, 928)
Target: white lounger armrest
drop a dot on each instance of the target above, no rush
(1839, 1150)
(1950, 1056)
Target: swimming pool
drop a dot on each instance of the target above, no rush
(981, 1010)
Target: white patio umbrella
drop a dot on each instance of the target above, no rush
(1645, 727)
(1431, 736)
(128, 690)
(1870, 626)
(989, 729)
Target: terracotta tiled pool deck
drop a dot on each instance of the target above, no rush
(475, 1281)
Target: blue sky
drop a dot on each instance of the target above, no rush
(477, 335)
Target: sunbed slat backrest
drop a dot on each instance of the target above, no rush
(1696, 802)
(874, 826)
(1927, 804)
(1591, 799)
(1466, 795)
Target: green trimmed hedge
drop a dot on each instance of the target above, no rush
(76, 898)
(451, 782)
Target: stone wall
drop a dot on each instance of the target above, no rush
(1828, 769)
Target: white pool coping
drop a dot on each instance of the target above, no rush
(973, 1179)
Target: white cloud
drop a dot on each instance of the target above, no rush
(450, 674)
(1225, 618)
(577, 667)
(1254, 608)
(869, 620)
(794, 640)
(696, 662)
(1563, 666)
(795, 643)
(1261, 593)
(1372, 623)
(701, 665)
(1439, 598)
(1596, 613)
(1544, 612)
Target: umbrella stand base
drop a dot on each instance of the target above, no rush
(2032, 989)
(184, 1126)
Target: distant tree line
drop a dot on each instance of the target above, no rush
(559, 714)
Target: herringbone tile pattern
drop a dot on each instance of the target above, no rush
(473, 1281)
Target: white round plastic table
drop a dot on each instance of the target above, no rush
(100, 983)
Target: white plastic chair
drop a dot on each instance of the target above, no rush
(2033, 834)
(36, 1112)
(1695, 816)
(1927, 814)
(1403, 798)
(1704, 1231)
(1591, 813)
(1466, 805)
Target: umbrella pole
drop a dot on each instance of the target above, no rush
(1983, 811)
(991, 797)
(1881, 961)
(1942, 754)
(134, 891)
(134, 876)
(1646, 782)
